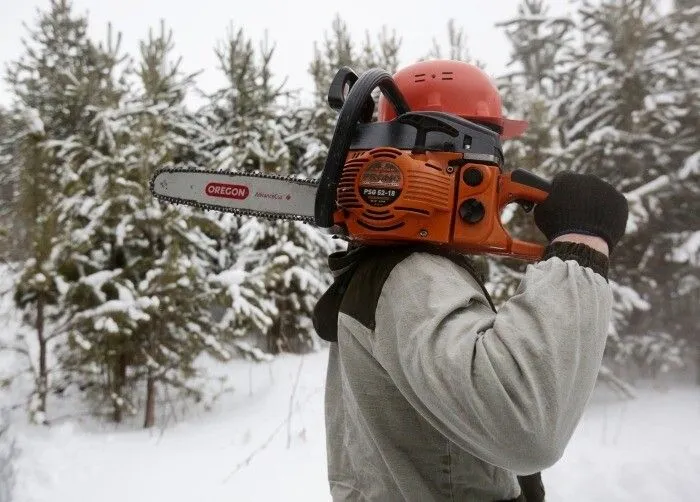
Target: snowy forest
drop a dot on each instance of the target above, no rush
(123, 304)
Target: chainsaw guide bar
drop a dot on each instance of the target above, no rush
(231, 191)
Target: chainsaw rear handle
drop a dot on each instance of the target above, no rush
(527, 189)
(530, 180)
(354, 107)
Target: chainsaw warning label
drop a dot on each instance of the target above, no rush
(381, 183)
(227, 190)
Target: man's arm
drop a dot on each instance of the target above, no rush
(509, 387)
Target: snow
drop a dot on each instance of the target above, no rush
(231, 277)
(303, 277)
(98, 279)
(689, 251)
(690, 166)
(33, 120)
(508, 213)
(645, 449)
(253, 445)
(106, 324)
(134, 309)
(638, 214)
(628, 298)
(80, 340)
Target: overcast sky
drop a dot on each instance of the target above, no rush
(293, 24)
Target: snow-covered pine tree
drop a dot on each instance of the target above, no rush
(141, 291)
(534, 79)
(671, 332)
(335, 51)
(246, 112)
(380, 50)
(273, 270)
(176, 274)
(625, 119)
(683, 34)
(57, 85)
(246, 130)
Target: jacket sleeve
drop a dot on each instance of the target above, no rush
(509, 387)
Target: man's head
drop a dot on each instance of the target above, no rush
(455, 87)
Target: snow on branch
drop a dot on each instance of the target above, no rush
(33, 121)
(688, 251)
(635, 197)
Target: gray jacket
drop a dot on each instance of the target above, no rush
(432, 396)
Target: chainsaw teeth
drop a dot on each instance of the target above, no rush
(237, 211)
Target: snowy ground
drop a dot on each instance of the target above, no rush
(245, 449)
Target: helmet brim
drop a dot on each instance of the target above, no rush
(513, 128)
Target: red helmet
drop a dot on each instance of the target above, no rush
(452, 87)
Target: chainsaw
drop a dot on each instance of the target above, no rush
(422, 176)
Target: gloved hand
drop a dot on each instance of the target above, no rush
(582, 204)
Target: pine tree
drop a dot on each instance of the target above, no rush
(247, 131)
(292, 256)
(272, 269)
(381, 52)
(674, 221)
(140, 291)
(245, 115)
(176, 274)
(629, 118)
(57, 85)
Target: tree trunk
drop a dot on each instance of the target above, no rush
(150, 418)
(117, 413)
(616, 383)
(118, 386)
(280, 336)
(42, 380)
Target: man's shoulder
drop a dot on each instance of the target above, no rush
(409, 266)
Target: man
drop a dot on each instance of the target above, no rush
(431, 395)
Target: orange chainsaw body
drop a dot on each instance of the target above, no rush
(388, 195)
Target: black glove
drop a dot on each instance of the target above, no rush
(583, 204)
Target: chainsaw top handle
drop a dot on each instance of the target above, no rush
(352, 109)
